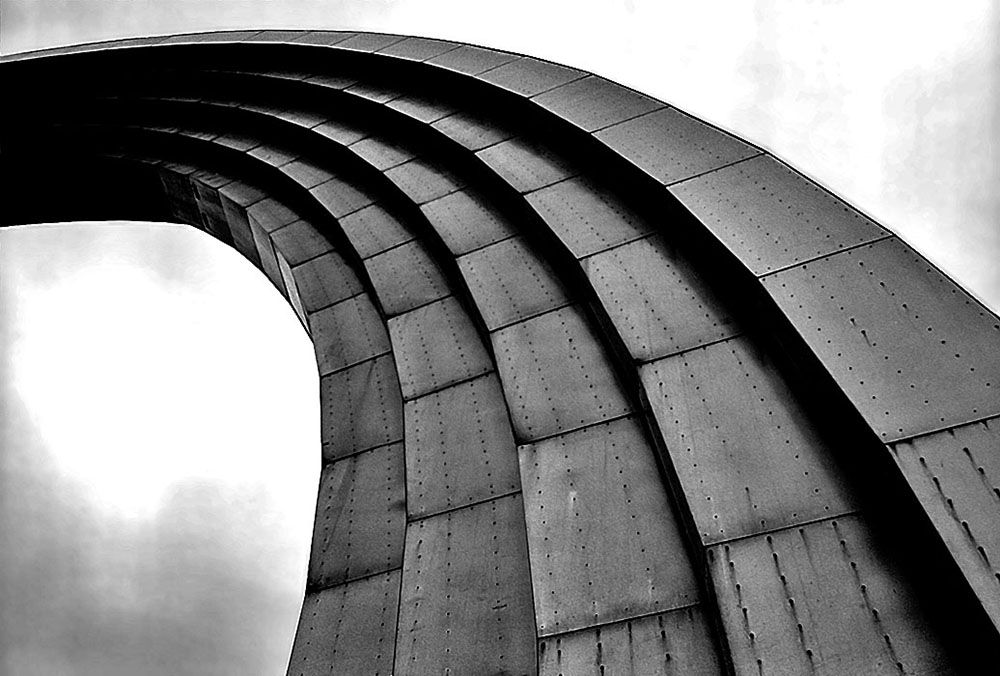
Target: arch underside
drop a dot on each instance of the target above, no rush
(603, 388)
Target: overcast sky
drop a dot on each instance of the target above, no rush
(140, 352)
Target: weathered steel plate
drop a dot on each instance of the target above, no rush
(528, 76)
(340, 197)
(474, 131)
(381, 153)
(300, 241)
(605, 544)
(346, 333)
(556, 375)
(417, 49)
(272, 155)
(747, 455)
(911, 350)
(465, 221)
(422, 108)
(820, 599)
(656, 298)
(422, 181)
(272, 214)
(360, 517)
(471, 60)
(377, 92)
(593, 103)
(291, 289)
(236, 217)
(324, 38)
(341, 131)
(242, 193)
(772, 217)
(587, 217)
(349, 629)
(325, 280)
(510, 282)
(373, 230)
(671, 146)
(459, 447)
(675, 643)
(956, 476)
(406, 277)
(527, 164)
(465, 606)
(436, 345)
(265, 251)
(368, 42)
(360, 408)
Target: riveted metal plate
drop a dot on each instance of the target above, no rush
(347, 333)
(239, 225)
(474, 131)
(527, 76)
(422, 108)
(668, 644)
(510, 282)
(466, 221)
(323, 37)
(360, 407)
(418, 49)
(376, 92)
(373, 230)
(241, 193)
(307, 173)
(299, 242)
(325, 280)
(556, 375)
(436, 345)
(348, 629)
(340, 197)
(271, 214)
(671, 146)
(956, 477)
(422, 181)
(237, 141)
(272, 155)
(593, 103)
(459, 447)
(772, 217)
(331, 80)
(265, 252)
(368, 42)
(341, 131)
(656, 299)
(911, 350)
(465, 606)
(587, 217)
(820, 599)
(604, 543)
(746, 453)
(271, 36)
(302, 117)
(406, 277)
(360, 517)
(527, 164)
(381, 153)
(291, 289)
(471, 60)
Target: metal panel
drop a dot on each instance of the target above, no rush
(436, 345)
(348, 629)
(373, 230)
(604, 543)
(474, 131)
(956, 476)
(459, 447)
(912, 350)
(422, 108)
(236, 217)
(820, 599)
(671, 146)
(471, 60)
(656, 298)
(377, 92)
(587, 217)
(360, 517)
(265, 251)
(510, 282)
(555, 374)
(422, 181)
(272, 214)
(594, 103)
(325, 280)
(417, 49)
(527, 76)
(465, 606)
(306, 173)
(772, 217)
(360, 408)
(291, 288)
(381, 153)
(527, 164)
(241, 193)
(302, 117)
(272, 155)
(747, 456)
(406, 277)
(340, 197)
(466, 221)
(238, 141)
(347, 333)
(368, 42)
(324, 38)
(300, 241)
(669, 644)
(341, 131)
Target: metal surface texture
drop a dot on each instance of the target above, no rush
(605, 544)
(817, 482)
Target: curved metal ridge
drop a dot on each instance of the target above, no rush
(604, 389)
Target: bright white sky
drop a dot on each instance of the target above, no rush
(159, 397)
